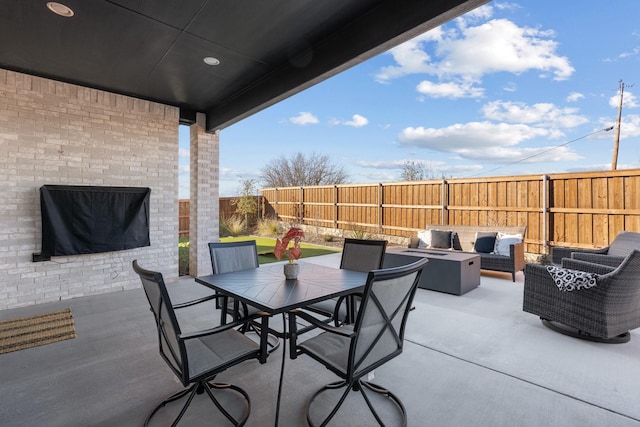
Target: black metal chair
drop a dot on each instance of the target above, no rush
(358, 255)
(197, 357)
(603, 313)
(228, 257)
(353, 351)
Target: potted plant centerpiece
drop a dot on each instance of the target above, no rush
(294, 235)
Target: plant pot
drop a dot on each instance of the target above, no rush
(291, 271)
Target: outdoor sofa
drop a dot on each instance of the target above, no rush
(500, 248)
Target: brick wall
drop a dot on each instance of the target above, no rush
(58, 133)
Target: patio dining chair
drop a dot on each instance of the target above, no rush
(228, 257)
(197, 357)
(361, 255)
(353, 351)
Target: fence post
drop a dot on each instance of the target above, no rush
(545, 214)
(443, 219)
(380, 207)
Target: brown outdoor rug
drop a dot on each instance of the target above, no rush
(32, 331)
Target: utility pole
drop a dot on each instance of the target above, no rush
(616, 140)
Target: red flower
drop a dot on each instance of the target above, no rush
(294, 252)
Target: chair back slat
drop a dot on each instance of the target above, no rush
(233, 256)
(381, 320)
(362, 255)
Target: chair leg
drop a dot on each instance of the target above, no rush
(331, 386)
(191, 391)
(208, 387)
(360, 386)
(381, 390)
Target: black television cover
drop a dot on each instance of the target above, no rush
(88, 219)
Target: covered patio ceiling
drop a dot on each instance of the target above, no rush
(156, 49)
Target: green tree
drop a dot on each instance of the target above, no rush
(299, 170)
(246, 203)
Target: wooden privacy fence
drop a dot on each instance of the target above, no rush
(572, 209)
(227, 209)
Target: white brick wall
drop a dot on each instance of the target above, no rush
(58, 133)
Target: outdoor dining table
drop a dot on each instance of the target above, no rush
(267, 289)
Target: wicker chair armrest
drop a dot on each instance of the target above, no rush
(609, 260)
(557, 253)
(588, 267)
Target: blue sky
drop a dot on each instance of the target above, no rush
(510, 88)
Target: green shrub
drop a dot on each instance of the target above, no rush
(359, 234)
(327, 238)
(232, 226)
(269, 227)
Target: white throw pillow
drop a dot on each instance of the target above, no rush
(425, 239)
(504, 241)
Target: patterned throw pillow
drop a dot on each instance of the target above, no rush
(572, 280)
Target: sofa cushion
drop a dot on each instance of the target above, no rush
(485, 241)
(440, 239)
(504, 241)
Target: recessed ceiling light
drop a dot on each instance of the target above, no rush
(60, 9)
(210, 60)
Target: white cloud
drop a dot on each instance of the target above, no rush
(466, 53)
(574, 96)
(500, 45)
(628, 100)
(410, 57)
(449, 90)
(523, 155)
(545, 114)
(510, 87)
(357, 121)
(304, 118)
(470, 136)
(184, 153)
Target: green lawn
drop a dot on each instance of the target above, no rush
(264, 245)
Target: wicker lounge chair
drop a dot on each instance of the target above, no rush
(612, 255)
(603, 313)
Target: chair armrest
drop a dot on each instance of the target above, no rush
(195, 301)
(557, 253)
(609, 260)
(588, 267)
(516, 253)
(344, 331)
(320, 324)
(220, 328)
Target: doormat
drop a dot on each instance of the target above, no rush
(32, 331)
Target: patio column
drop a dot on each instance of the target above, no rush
(204, 210)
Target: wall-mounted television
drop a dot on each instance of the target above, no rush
(80, 219)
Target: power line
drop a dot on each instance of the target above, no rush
(546, 151)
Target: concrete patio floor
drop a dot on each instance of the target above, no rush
(471, 360)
